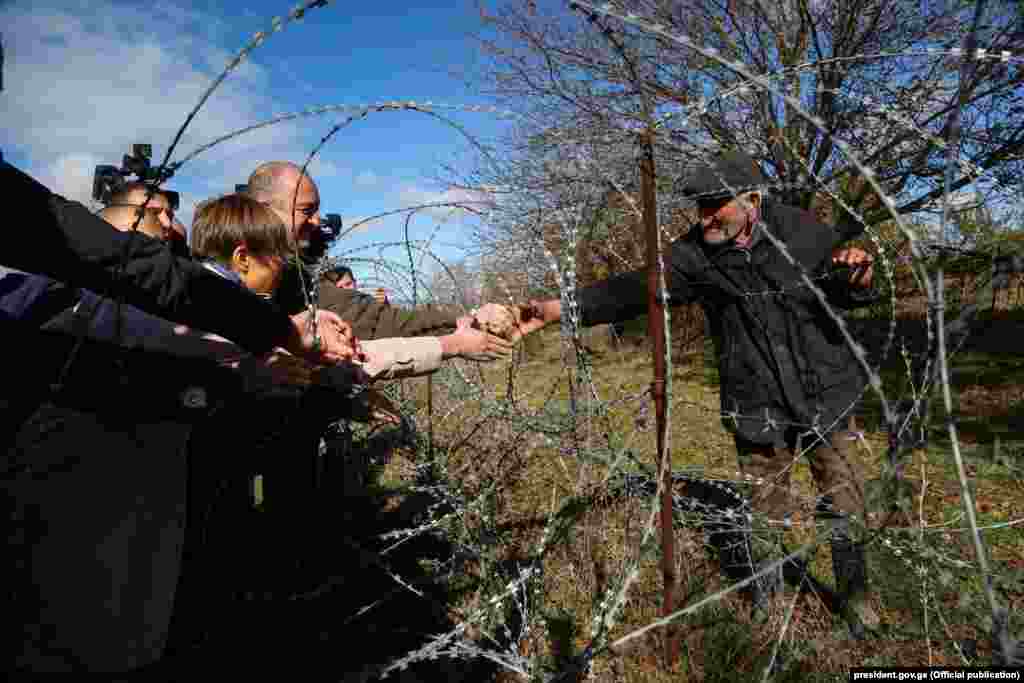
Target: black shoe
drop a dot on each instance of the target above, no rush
(850, 570)
(735, 557)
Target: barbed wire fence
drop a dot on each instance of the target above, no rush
(535, 422)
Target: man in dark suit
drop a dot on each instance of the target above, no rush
(94, 435)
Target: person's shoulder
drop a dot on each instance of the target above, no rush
(688, 247)
(795, 220)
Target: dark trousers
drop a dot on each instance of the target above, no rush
(96, 526)
(93, 496)
(241, 564)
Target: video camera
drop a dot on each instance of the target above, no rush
(321, 239)
(108, 180)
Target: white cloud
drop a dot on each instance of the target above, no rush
(414, 196)
(83, 81)
(71, 176)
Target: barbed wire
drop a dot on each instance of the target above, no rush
(355, 111)
(450, 505)
(570, 307)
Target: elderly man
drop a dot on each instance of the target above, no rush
(787, 377)
(294, 197)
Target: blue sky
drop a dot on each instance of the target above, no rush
(85, 79)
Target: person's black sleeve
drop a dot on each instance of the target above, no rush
(64, 240)
(624, 297)
(848, 228)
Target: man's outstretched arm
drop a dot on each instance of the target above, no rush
(70, 244)
(617, 299)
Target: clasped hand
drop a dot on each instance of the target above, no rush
(860, 263)
(334, 341)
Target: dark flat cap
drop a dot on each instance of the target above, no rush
(728, 174)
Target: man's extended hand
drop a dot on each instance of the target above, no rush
(495, 319)
(474, 344)
(537, 314)
(514, 322)
(336, 341)
(861, 265)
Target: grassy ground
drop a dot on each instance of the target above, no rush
(517, 464)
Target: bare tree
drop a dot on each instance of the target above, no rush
(459, 284)
(877, 75)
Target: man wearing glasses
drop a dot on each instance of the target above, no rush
(294, 197)
(274, 184)
(157, 221)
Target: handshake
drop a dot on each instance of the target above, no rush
(489, 333)
(508, 322)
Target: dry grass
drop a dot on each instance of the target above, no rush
(526, 476)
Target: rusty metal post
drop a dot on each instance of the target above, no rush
(430, 419)
(656, 332)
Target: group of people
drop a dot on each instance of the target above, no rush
(101, 438)
(143, 343)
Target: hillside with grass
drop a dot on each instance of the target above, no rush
(524, 470)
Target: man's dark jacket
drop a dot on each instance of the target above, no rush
(109, 486)
(70, 244)
(780, 356)
(93, 500)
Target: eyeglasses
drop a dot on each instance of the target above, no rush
(308, 211)
(154, 210)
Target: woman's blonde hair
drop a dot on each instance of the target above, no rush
(220, 225)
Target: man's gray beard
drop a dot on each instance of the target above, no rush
(723, 240)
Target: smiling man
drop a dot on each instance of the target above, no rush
(274, 184)
(787, 377)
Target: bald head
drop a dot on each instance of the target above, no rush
(274, 184)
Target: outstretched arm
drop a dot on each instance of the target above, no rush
(620, 298)
(399, 357)
(70, 244)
